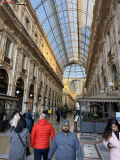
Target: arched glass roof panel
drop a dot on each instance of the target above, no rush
(74, 71)
(63, 21)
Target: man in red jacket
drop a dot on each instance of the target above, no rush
(41, 132)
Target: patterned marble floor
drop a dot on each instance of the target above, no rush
(91, 150)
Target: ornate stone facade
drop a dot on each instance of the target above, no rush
(103, 63)
(28, 41)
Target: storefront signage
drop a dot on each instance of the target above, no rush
(112, 94)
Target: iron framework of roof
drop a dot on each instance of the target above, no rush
(67, 25)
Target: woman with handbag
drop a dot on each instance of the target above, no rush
(19, 139)
(111, 137)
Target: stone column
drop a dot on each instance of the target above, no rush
(25, 99)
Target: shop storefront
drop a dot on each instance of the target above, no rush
(104, 104)
(8, 105)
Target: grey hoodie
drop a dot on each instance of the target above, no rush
(17, 151)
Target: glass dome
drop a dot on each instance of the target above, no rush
(74, 71)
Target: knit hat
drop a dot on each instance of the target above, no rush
(65, 123)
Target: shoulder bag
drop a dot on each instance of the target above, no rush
(27, 149)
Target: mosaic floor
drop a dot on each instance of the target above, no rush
(90, 143)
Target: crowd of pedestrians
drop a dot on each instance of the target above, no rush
(65, 143)
(23, 133)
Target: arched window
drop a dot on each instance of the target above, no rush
(3, 81)
(20, 83)
(114, 72)
(27, 22)
(109, 41)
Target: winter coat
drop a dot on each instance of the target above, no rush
(114, 152)
(28, 118)
(65, 147)
(64, 115)
(58, 117)
(17, 151)
(40, 134)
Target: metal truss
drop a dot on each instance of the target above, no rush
(67, 25)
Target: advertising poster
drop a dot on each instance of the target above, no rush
(118, 117)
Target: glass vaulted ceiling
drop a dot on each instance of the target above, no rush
(74, 71)
(76, 86)
(67, 25)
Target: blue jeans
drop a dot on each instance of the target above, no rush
(29, 125)
(38, 153)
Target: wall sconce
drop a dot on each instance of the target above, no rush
(17, 92)
(31, 95)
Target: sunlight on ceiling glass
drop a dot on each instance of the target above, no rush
(67, 25)
(74, 71)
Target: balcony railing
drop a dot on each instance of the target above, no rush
(23, 70)
(7, 60)
(4, 59)
(34, 78)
